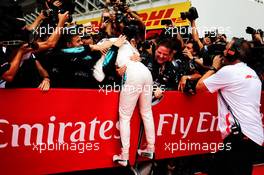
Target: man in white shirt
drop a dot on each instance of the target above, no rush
(241, 89)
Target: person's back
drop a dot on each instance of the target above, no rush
(242, 91)
(124, 55)
(137, 87)
(239, 92)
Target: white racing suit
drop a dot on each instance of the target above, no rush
(137, 87)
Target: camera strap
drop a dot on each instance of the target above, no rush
(229, 109)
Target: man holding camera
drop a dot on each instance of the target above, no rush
(239, 92)
(12, 57)
(257, 36)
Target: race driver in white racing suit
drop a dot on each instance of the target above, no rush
(137, 87)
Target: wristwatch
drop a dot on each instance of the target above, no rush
(213, 68)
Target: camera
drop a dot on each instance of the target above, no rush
(47, 13)
(146, 44)
(120, 9)
(212, 35)
(251, 31)
(106, 18)
(192, 14)
(166, 22)
(121, 17)
(51, 11)
(213, 50)
(52, 15)
(120, 13)
(189, 87)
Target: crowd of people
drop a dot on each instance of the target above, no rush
(118, 53)
(70, 57)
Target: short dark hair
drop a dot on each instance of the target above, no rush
(241, 49)
(66, 38)
(167, 44)
(196, 47)
(224, 35)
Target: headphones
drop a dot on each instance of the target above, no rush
(235, 52)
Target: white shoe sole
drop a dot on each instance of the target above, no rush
(149, 155)
(120, 161)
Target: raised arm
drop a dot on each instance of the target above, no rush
(55, 36)
(15, 63)
(37, 21)
(195, 34)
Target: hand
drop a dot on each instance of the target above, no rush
(217, 62)
(158, 93)
(105, 46)
(41, 15)
(121, 71)
(25, 49)
(257, 37)
(135, 57)
(120, 41)
(182, 83)
(45, 84)
(63, 17)
(103, 50)
(106, 24)
(187, 53)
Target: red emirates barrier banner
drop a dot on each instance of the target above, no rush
(72, 129)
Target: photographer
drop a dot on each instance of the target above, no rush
(188, 62)
(25, 70)
(9, 69)
(52, 7)
(257, 36)
(239, 91)
(258, 39)
(107, 25)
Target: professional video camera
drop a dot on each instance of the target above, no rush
(192, 14)
(213, 50)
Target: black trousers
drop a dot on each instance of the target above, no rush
(235, 161)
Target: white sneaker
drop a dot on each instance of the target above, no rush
(146, 153)
(121, 159)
